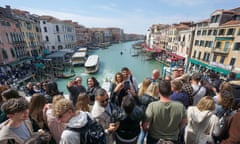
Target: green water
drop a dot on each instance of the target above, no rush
(111, 61)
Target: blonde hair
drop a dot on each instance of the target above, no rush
(83, 102)
(57, 98)
(153, 90)
(62, 106)
(145, 84)
(206, 103)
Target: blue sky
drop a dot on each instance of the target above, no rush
(134, 16)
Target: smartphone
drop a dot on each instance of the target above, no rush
(127, 85)
(75, 82)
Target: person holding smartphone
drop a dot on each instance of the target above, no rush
(119, 89)
(75, 87)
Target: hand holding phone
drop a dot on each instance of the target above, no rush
(127, 85)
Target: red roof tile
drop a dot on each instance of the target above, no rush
(232, 22)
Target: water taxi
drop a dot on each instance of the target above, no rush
(92, 64)
(79, 58)
(82, 49)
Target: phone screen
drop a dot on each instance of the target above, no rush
(126, 85)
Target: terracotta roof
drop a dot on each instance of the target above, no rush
(181, 26)
(232, 22)
(203, 21)
(49, 18)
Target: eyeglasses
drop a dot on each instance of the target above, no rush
(106, 100)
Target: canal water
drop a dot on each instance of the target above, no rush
(111, 61)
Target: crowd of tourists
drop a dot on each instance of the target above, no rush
(178, 109)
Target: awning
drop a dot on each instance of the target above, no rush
(46, 51)
(221, 70)
(148, 49)
(39, 65)
(175, 56)
(197, 62)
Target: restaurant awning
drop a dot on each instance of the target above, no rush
(221, 70)
(148, 49)
(197, 62)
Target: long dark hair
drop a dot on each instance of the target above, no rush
(52, 89)
(96, 83)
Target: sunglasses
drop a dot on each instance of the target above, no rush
(103, 101)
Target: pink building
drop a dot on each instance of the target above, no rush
(12, 46)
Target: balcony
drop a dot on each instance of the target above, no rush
(221, 51)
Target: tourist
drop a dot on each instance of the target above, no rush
(83, 103)
(231, 76)
(129, 128)
(75, 87)
(164, 118)
(231, 131)
(150, 95)
(65, 112)
(175, 73)
(6, 95)
(118, 89)
(37, 88)
(215, 80)
(107, 114)
(51, 91)
(155, 76)
(153, 90)
(2, 89)
(223, 86)
(223, 107)
(17, 129)
(180, 71)
(168, 78)
(55, 126)
(146, 82)
(93, 85)
(29, 89)
(127, 76)
(186, 87)
(36, 112)
(202, 123)
(44, 87)
(198, 90)
(178, 94)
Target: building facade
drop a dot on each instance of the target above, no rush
(57, 34)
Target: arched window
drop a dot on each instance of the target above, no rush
(4, 53)
(47, 38)
(12, 52)
(45, 29)
(57, 28)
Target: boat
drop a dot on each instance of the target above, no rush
(92, 64)
(134, 55)
(65, 76)
(148, 58)
(79, 58)
(84, 49)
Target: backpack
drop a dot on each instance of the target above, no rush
(91, 133)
